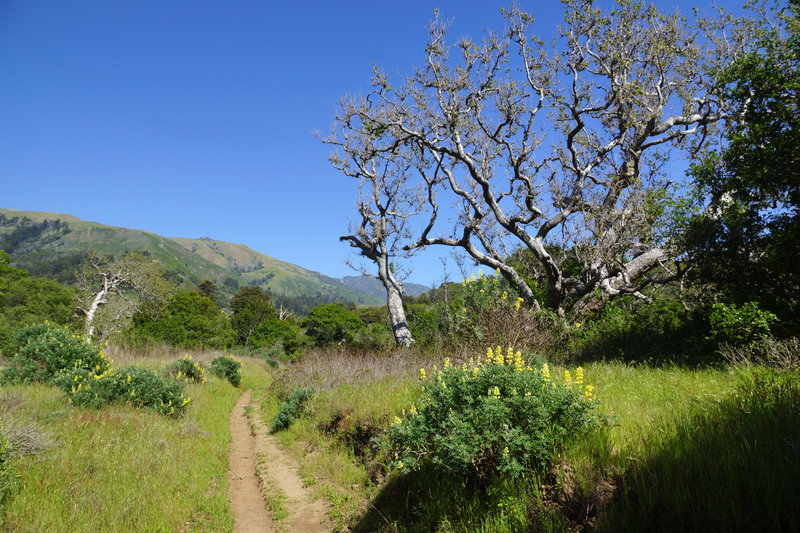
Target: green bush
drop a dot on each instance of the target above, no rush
(631, 330)
(290, 409)
(331, 324)
(29, 300)
(485, 420)
(186, 369)
(132, 385)
(190, 320)
(739, 325)
(273, 332)
(227, 367)
(44, 350)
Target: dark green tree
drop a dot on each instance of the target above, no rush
(189, 320)
(331, 324)
(251, 307)
(208, 289)
(744, 246)
(26, 300)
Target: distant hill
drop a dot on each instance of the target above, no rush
(54, 245)
(372, 285)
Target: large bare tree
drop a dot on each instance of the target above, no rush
(120, 286)
(386, 201)
(551, 148)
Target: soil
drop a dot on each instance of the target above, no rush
(252, 445)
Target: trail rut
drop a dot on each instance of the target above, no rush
(259, 467)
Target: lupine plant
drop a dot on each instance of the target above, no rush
(492, 417)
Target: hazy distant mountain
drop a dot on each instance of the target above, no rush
(372, 285)
(54, 245)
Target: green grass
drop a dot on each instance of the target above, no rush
(125, 469)
(658, 419)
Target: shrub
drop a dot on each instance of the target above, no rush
(45, 350)
(739, 325)
(133, 385)
(274, 331)
(331, 324)
(290, 409)
(187, 370)
(227, 367)
(190, 320)
(490, 311)
(484, 420)
(629, 329)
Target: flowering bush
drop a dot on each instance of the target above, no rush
(492, 417)
(186, 369)
(133, 385)
(44, 350)
(227, 367)
(492, 312)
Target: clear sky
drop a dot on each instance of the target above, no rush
(194, 118)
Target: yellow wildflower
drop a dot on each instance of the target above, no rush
(579, 376)
(413, 409)
(422, 374)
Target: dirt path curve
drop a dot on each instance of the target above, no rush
(275, 471)
(249, 511)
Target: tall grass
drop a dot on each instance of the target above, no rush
(359, 394)
(731, 467)
(125, 469)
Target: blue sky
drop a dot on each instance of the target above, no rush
(194, 118)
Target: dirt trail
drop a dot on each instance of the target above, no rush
(247, 504)
(255, 454)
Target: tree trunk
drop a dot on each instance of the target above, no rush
(394, 302)
(99, 299)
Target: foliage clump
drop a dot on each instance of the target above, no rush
(227, 367)
(44, 350)
(488, 419)
(332, 324)
(133, 385)
(731, 324)
(186, 369)
(290, 409)
(189, 320)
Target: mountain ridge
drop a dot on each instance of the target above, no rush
(40, 240)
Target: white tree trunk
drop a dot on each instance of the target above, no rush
(100, 299)
(394, 302)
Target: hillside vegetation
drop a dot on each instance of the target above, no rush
(54, 245)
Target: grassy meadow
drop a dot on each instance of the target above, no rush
(120, 468)
(689, 449)
(683, 449)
